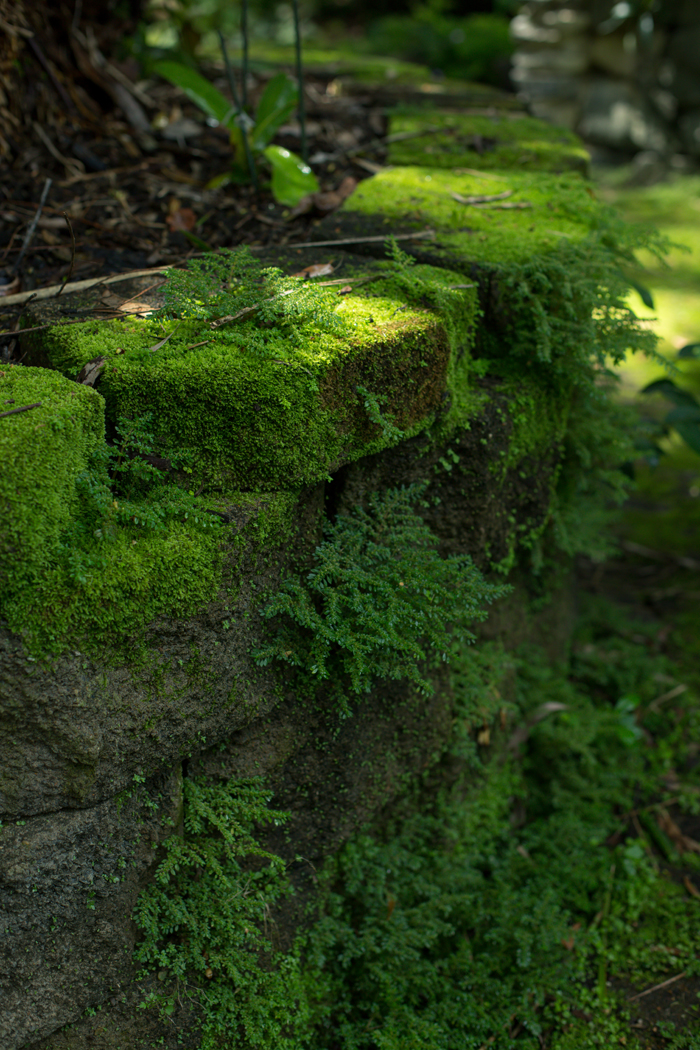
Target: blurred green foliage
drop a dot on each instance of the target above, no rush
(469, 47)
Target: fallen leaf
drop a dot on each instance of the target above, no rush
(182, 219)
(10, 287)
(91, 371)
(345, 289)
(325, 201)
(316, 270)
(484, 736)
(390, 905)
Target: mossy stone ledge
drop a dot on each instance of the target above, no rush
(250, 408)
(495, 140)
(147, 522)
(50, 430)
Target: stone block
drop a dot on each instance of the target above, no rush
(446, 139)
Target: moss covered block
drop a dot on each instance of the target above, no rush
(43, 451)
(533, 215)
(488, 140)
(254, 404)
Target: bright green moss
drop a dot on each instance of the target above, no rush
(261, 403)
(553, 208)
(500, 140)
(43, 451)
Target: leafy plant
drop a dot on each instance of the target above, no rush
(206, 917)
(380, 601)
(684, 418)
(460, 924)
(250, 138)
(231, 284)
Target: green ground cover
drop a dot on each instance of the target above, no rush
(497, 140)
(552, 880)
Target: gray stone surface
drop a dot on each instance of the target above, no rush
(75, 730)
(68, 884)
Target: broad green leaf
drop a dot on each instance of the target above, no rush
(200, 91)
(291, 178)
(690, 432)
(690, 350)
(684, 414)
(669, 389)
(278, 101)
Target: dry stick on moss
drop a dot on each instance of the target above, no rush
(418, 235)
(482, 198)
(80, 286)
(16, 411)
(657, 987)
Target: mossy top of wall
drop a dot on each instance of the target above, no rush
(265, 402)
(534, 214)
(42, 450)
(498, 140)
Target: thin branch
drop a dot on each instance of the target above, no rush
(301, 107)
(16, 411)
(239, 110)
(418, 235)
(30, 232)
(657, 987)
(244, 37)
(72, 255)
(79, 286)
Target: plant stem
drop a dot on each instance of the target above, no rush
(300, 82)
(239, 109)
(244, 38)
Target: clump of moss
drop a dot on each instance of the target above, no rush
(44, 451)
(497, 142)
(255, 373)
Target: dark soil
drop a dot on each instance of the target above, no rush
(121, 200)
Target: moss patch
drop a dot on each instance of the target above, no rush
(255, 405)
(541, 211)
(500, 140)
(43, 451)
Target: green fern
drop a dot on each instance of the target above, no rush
(379, 603)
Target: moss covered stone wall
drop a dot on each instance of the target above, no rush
(235, 447)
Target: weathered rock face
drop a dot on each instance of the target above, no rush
(130, 652)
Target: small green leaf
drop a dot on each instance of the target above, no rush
(690, 350)
(278, 101)
(644, 294)
(219, 180)
(291, 178)
(200, 91)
